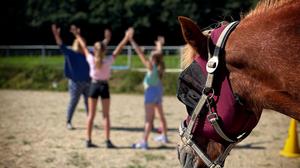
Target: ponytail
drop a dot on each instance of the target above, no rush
(158, 59)
(99, 54)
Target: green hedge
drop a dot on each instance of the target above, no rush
(47, 77)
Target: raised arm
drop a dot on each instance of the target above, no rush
(140, 53)
(123, 42)
(56, 34)
(107, 37)
(76, 32)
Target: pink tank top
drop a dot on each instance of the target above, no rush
(104, 72)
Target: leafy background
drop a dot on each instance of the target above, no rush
(28, 21)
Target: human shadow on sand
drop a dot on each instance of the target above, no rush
(254, 145)
(162, 147)
(139, 129)
(130, 129)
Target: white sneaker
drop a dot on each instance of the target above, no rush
(69, 126)
(141, 145)
(161, 138)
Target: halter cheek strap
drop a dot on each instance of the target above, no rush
(207, 99)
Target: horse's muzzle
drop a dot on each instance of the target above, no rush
(186, 156)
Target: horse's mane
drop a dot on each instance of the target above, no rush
(187, 56)
(266, 5)
(188, 53)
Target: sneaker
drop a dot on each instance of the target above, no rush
(89, 144)
(109, 144)
(69, 126)
(141, 145)
(161, 138)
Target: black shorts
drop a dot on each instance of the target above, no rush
(99, 88)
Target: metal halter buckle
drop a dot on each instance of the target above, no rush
(216, 166)
(210, 92)
(212, 64)
(181, 129)
(212, 117)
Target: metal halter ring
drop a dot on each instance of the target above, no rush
(210, 92)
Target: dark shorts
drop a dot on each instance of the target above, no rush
(99, 88)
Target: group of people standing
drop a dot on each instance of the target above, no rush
(89, 72)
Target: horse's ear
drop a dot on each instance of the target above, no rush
(192, 34)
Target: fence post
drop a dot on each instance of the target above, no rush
(43, 52)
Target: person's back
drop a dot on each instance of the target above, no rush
(151, 78)
(76, 67)
(100, 67)
(102, 73)
(153, 91)
(76, 70)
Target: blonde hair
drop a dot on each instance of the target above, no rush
(99, 52)
(187, 56)
(188, 53)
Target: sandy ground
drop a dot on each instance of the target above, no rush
(33, 134)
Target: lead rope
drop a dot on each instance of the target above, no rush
(206, 98)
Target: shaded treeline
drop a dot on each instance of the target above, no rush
(28, 21)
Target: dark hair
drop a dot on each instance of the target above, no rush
(158, 59)
(103, 46)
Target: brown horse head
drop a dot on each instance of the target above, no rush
(261, 62)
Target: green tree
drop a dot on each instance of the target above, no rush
(149, 17)
(64, 11)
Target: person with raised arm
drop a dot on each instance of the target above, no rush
(100, 67)
(76, 69)
(153, 91)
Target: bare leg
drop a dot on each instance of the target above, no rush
(106, 118)
(149, 116)
(85, 93)
(91, 115)
(162, 119)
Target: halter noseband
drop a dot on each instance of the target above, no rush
(207, 99)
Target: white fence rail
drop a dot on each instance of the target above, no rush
(53, 50)
(48, 50)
